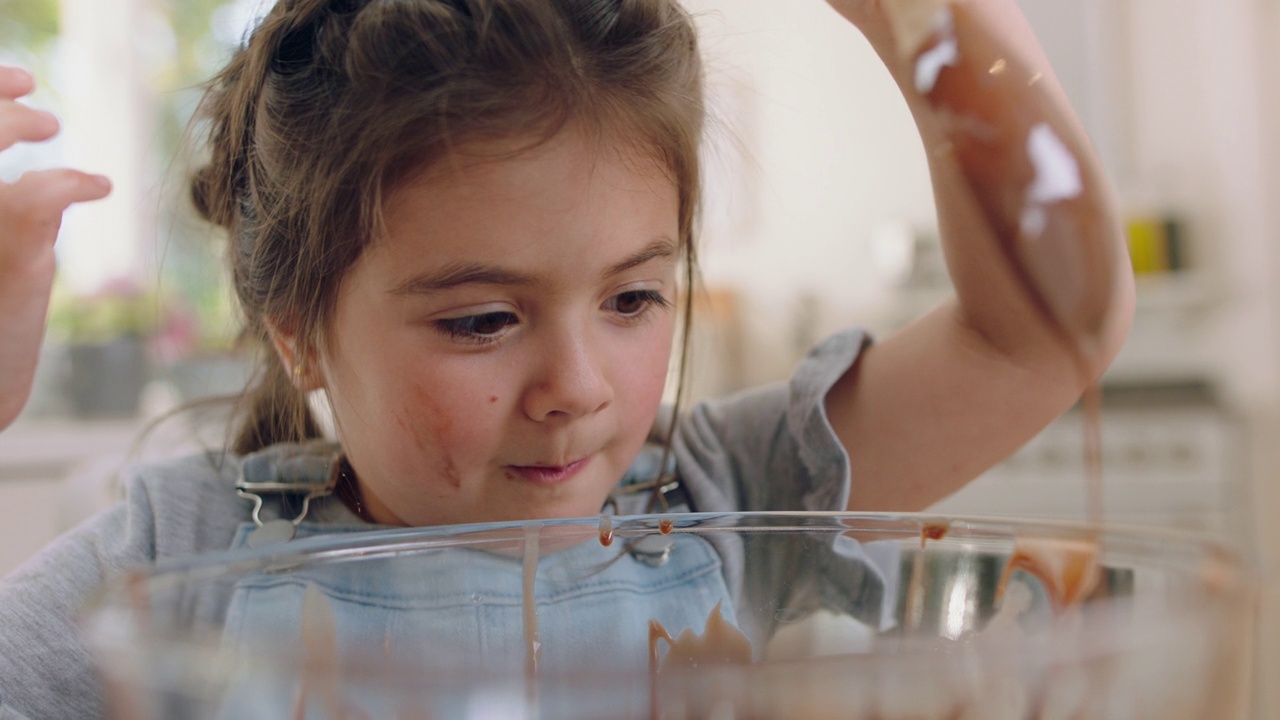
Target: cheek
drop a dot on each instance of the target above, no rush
(407, 402)
(444, 418)
(646, 370)
(422, 418)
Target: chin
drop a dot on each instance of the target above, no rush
(559, 511)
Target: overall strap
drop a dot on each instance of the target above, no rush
(287, 473)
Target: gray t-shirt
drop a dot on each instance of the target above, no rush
(770, 448)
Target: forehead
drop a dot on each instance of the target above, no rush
(572, 155)
(571, 199)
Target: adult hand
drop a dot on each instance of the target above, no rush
(30, 216)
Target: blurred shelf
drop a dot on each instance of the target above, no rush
(47, 449)
(1177, 291)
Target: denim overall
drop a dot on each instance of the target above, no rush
(459, 610)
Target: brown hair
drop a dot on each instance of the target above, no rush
(330, 104)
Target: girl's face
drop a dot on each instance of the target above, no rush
(500, 354)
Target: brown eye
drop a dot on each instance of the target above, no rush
(478, 327)
(630, 303)
(634, 303)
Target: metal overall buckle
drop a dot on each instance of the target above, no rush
(257, 481)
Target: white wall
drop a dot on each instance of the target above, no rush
(1266, 34)
(106, 130)
(1200, 135)
(821, 150)
(1169, 89)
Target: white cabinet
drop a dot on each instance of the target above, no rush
(1171, 458)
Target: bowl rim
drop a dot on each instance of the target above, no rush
(385, 541)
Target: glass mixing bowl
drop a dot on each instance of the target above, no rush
(743, 615)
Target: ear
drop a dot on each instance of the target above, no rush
(300, 363)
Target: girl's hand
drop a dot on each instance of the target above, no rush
(30, 216)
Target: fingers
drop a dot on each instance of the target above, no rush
(15, 82)
(57, 189)
(19, 122)
(35, 203)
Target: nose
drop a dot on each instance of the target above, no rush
(569, 381)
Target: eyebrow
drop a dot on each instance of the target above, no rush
(480, 274)
(659, 249)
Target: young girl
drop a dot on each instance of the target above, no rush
(471, 225)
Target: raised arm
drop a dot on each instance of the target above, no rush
(1044, 291)
(30, 215)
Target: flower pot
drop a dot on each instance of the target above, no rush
(206, 376)
(107, 378)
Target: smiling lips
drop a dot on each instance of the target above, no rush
(548, 474)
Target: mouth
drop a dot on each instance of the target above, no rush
(548, 474)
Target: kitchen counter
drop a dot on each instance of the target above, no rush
(57, 471)
(38, 461)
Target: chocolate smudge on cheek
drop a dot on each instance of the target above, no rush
(431, 435)
(450, 473)
(412, 431)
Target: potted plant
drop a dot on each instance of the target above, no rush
(106, 335)
(195, 344)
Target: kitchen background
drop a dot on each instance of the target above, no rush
(819, 215)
